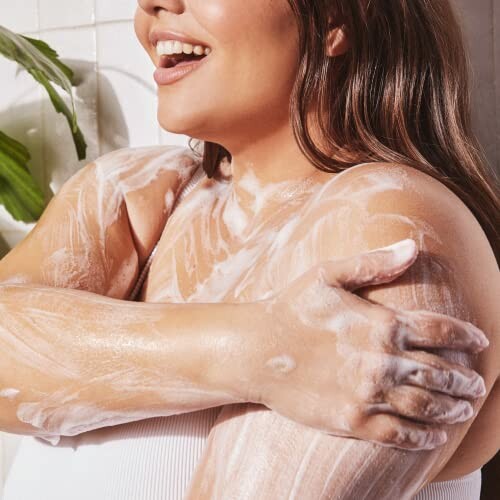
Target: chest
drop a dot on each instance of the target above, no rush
(207, 254)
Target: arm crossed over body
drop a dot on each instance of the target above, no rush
(253, 452)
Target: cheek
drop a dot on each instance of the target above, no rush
(142, 27)
(256, 43)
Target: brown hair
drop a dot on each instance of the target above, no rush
(399, 94)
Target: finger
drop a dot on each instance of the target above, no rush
(426, 406)
(381, 265)
(431, 372)
(420, 329)
(389, 430)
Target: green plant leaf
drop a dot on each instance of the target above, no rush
(19, 192)
(12, 203)
(17, 151)
(49, 52)
(60, 107)
(42, 62)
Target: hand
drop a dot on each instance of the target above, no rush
(344, 365)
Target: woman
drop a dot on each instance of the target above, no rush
(239, 304)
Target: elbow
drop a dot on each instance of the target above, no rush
(11, 423)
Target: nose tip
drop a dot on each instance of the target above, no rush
(153, 7)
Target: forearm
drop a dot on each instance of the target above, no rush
(73, 361)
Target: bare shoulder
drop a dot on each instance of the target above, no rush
(374, 205)
(400, 183)
(103, 222)
(385, 200)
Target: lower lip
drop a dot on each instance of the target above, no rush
(166, 76)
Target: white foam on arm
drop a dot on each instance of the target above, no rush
(73, 361)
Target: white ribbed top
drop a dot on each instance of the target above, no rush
(147, 460)
(467, 487)
(152, 459)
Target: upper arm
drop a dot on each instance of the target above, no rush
(455, 274)
(100, 227)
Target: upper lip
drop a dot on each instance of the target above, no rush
(156, 35)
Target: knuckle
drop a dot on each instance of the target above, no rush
(386, 370)
(393, 434)
(415, 404)
(369, 391)
(424, 376)
(447, 331)
(449, 379)
(421, 376)
(380, 377)
(390, 327)
(426, 407)
(323, 273)
(355, 418)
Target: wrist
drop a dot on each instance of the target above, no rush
(239, 349)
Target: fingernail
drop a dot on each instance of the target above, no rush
(480, 387)
(478, 334)
(404, 249)
(464, 410)
(483, 340)
(441, 438)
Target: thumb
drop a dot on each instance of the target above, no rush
(374, 267)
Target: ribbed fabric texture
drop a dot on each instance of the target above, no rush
(151, 459)
(464, 488)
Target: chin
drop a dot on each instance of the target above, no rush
(175, 121)
(179, 124)
(185, 106)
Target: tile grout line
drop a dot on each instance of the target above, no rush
(97, 83)
(78, 26)
(41, 114)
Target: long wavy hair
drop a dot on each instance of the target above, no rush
(399, 94)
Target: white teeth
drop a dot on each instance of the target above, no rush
(177, 47)
(168, 47)
(198, 50)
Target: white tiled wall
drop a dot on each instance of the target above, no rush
(116, 100)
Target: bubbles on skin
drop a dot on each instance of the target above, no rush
(16, 278)
(282, 364)
(274, 254)
(203, 258)
(211, 219)
(63, 413)
(9, 393)
(29, 334)
(115, 175)
(169, 201)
